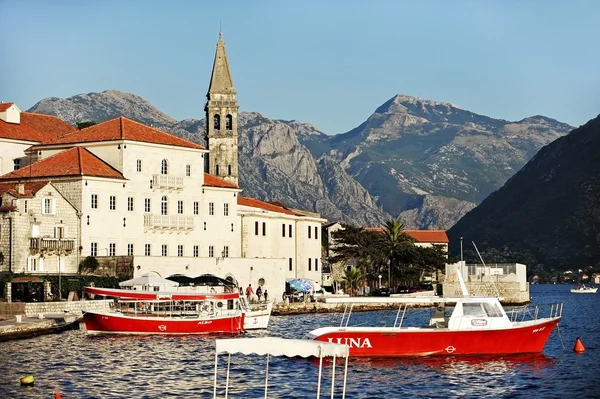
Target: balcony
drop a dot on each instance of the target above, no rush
(167, 182)
(169, 222)
(51, 244)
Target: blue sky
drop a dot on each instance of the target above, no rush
(330, 63)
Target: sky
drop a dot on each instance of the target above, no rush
(329, 63)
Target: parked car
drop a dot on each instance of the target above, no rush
(383, 291)
(404, 289)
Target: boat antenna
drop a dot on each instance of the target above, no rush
(484, 266)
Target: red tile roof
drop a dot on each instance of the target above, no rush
(213, 181)
(47, 124)
(431, 236)
(22, 132)
(30, 188)
(76, 161)
(5, 106)
(254, 203)
(122, 129)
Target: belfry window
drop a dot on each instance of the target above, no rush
(228, 122)
(217, 170)
(164, 202)
(217, 122)
(229, 170)
(164, 167)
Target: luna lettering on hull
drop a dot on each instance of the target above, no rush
(352, 342)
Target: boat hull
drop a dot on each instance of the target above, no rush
(398, 342)
(584, 291)
(117, 323)
(257, 319)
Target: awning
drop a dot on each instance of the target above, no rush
(276, 346)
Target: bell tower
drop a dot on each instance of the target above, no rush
(222, 119)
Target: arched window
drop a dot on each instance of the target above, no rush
(164, 167)
(217, 122)
(229, 169)
(228, 122)
(164, 205)
(217, 170)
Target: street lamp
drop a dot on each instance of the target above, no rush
(380, 281)
(59, 273)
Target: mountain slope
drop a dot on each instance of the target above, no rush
(550, 209)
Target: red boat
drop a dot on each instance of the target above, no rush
(148, 312)
(475, 326)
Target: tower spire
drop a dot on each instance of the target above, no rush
(220, 80)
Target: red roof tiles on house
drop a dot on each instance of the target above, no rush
(213, 181)
(76, 161)
(29, 188)
(5, 106)
(431, 236)
(122, 129)
(254, 203)
(48, 125)
(22, 132)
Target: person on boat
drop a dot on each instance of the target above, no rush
(259, 293)
(266, 294)
(249, 292)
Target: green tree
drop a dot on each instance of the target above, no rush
(395, 249)
(88, 265)
(353, 277)
(353, 243)
(84, 124)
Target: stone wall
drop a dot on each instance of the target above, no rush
(9, 310)
(510, 291)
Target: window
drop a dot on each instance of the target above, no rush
(26, 206)
(129, 249)
(309, 264)
(94, 201)
(59, 232)
(147, 249)
(264, 229)
(217, 170)
(112, 202)
(225, 209)
(255, 228)
(211, 251)
(147, 207)
(32, 265)
(228, 122)
(226, 251)
(164, 167)
(316, 233)
(283, 230)
(164, 250)
(195, 251)
(231, 226)
(290, 263)
(112, 249)
(217, 122)
(94, 249)
(164, 202)
(180, 250)
(211, 208)
(188, 170)
(180, 207)
(139, 165)
(309, 230)
(204, 226)
(17, 164)
(35, 230)
(196, 207)
(316, 264)
(229, 170)
(130, 204)
(290, 231)
(48, 206)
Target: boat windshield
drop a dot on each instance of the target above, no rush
(481, 309)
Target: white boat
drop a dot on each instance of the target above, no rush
(275, 346)
(256, 316)
(584, 289)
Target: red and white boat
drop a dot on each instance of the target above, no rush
(458, 326)
(165, 313)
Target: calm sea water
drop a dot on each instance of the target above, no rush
(182, 367)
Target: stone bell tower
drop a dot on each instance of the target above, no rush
(222, 120)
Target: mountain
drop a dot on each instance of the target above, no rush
(423, 161)
(549, 212)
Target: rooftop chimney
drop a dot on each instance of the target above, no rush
(20, 188)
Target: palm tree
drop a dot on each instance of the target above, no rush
(395, 246)
(353, 276)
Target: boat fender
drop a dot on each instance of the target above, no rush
(578, 348)
(28, 380)
(57, 395)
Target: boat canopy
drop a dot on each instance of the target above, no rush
(417, 300)
(147, 280)
(276, 346)
(159, 295)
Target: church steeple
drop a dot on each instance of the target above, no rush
(222, 119)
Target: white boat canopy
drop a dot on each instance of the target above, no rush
(275, 346)
(147, 280)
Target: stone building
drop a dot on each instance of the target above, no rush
(38, 229)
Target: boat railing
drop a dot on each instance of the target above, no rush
(541, 311)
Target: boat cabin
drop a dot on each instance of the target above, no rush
(470, 314)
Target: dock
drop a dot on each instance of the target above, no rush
(21, 327)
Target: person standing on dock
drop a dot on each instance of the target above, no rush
(266, 294)
(249, 292)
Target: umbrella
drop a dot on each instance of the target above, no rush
(212, 281)
(146, 279)
(301, 284)
(182, 279)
